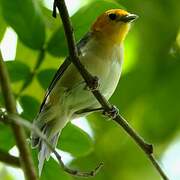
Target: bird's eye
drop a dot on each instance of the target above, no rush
(112, 16)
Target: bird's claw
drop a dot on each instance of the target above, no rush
(113, 113)
(93, 85)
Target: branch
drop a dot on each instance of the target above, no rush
(108, 108)
(11, 118)
(9, 160)
(19, 134)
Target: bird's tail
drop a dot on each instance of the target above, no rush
(44, 151)
(50, 121)
(52, 136)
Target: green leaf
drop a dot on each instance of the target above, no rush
(26, 55)
(75, 141)
(6, 138)
(81, 23)
(57, 45)
(5, 174)
(18, 71)
(25, 18)
(3, 26)
(52, 170)
(51, 24)
(30, 107)
(1, 99)
(45, 76)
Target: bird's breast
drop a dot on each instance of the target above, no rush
(106, 64)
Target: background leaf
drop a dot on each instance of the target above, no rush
(30, 107)
(52, 170)
(25, 18)
(18, 71)
(75, 141)
(1, 99)
(6, 138)
(45, 77)
(2, 25)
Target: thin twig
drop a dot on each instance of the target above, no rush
(73, 54)
(22, 122)
(19, 134)
(9, 159)
(158, 167)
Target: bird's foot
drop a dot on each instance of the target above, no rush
(93, 85)
(113, 113)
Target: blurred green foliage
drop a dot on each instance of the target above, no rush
(4, 173)
(27, 22)
(148, 93)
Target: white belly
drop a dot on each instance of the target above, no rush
(107, 66)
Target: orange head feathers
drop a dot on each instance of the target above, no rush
(114, 24)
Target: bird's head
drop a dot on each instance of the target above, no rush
(113, 25)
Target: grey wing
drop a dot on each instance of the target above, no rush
(83, 41)
(56, 77)
(63, 68)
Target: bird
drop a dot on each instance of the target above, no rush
(101, 52)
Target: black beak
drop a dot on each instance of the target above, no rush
(128, 18)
